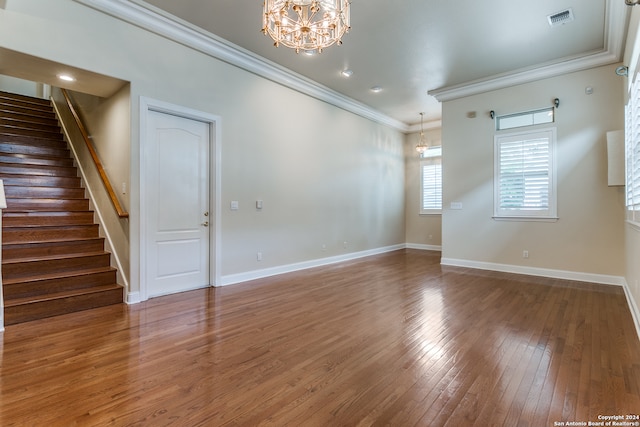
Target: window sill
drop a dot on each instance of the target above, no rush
(635, 225)
(527, 218)
(430, 213)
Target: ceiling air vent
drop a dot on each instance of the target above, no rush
(560, 18)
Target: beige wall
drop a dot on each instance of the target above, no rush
(632, 233)
(326, 176)
(19, 86)
(422, 231)
(107, 121)
(589, 235)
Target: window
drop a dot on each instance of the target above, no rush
(632, 153)
(524, 180)
(528, 118)
(431, 181)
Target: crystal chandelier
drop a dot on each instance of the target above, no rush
(422, 146)
(306, 25)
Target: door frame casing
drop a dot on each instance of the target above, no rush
(148, 105)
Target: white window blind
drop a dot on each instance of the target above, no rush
(632, 153)
(431, 181)
(524, 182)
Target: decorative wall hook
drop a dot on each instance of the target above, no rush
(492, 114)
(556, 102)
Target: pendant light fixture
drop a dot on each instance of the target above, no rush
(422, 146)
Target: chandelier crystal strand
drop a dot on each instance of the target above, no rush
(422, 146)
(306, 25)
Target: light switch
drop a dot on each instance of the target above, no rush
(258, 204)
(456, 205)
(234, 205)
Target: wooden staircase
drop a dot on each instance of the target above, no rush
(53, 260)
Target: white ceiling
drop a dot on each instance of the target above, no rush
(412, 47)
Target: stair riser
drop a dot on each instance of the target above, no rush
(14, 219)
(49, 286)
(40, 234)
(35, 250)
(29, 117)
(54, 150)
(15, 99)
(39, 310)
(41, 181)
(26, 110)
(36, 170)
(33, 142)
(30, 159)
(47, 205)
(43, 192)
(17, 270)
(13, 130)
(25, 124)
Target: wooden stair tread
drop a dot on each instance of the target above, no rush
(50, 241)
(26, 159)
(52, 257)
(24, 98)
(37, 141)
(35, 197)
(25, 130)
(29, 227)
(58, 295)
(40, 213)
(58, 275)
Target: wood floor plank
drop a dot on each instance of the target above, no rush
(389, 340)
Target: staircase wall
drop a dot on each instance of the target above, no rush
(107, 121)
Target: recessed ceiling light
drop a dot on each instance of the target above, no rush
(376, 89)
(66, 78)
(346, 73)
(309, 52)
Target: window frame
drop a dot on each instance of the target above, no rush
(524, 214)
(632, 154)
(427, 159)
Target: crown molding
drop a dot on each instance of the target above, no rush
(615, 34)
(431, 124)
(176, 30)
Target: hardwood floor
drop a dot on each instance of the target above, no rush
(393, 339)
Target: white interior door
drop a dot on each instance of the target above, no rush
(177, 211)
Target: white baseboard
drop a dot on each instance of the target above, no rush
(133, 298)
(633, 307)
(423, 247)
(231, 279)
(534, 271)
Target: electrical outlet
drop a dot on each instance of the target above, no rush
(525, 254)
(259, 256)
(345, 244)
